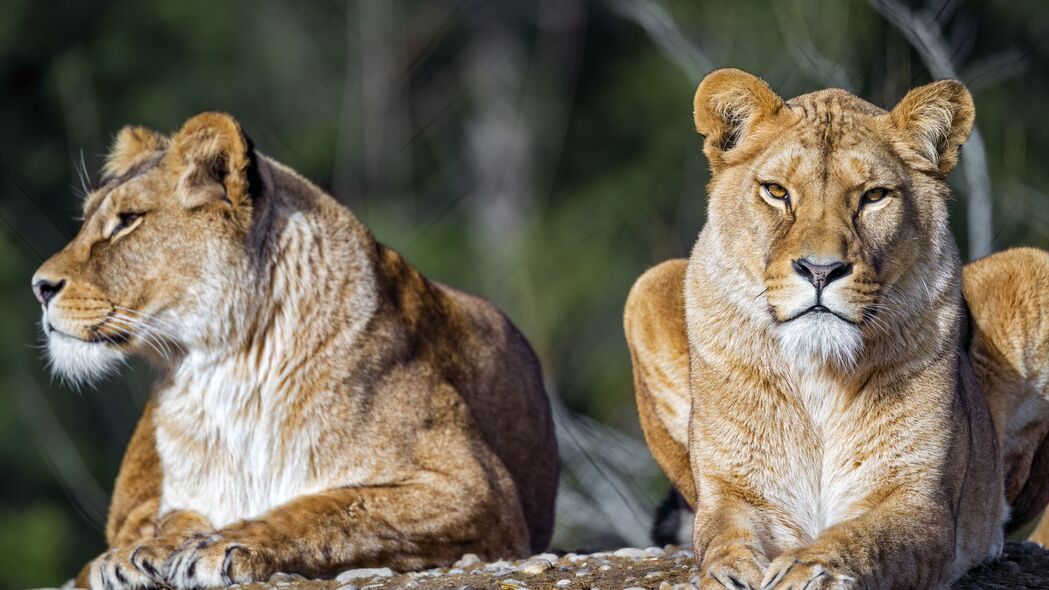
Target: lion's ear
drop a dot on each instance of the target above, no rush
(216, 152)
(727, 105)
(936, 120)
(131, 146)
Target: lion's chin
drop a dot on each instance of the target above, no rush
(821, 338)
(80, 363)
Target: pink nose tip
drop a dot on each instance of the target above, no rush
(46, 290)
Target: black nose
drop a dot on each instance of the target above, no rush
(821, 275)
(46, 290)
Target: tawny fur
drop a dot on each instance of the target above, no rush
(321, 404)
(859, 450)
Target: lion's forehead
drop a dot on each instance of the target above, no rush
(804, 166)
(143, 180)
(831, 120)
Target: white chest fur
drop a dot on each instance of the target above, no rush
(826, 484)
(225, 446)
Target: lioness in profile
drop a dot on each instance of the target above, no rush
(322, 405)
(806, 378)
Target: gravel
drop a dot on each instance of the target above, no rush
(1023, 565)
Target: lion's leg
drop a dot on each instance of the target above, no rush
(1008, 296)
(133, 509)
(460, 500)
(654, 321)
(138, 542)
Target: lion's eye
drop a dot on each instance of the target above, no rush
(775, 191)
(875, 194)
(124, 221)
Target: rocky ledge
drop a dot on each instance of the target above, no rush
(1023, 565)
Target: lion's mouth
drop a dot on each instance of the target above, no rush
(820, 309)
(118, 339)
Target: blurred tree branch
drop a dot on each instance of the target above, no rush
(923, 31)
(664, 32)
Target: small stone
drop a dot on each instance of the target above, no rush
(654, 552)
(537, 565)
(512, 583)
(563, 583)
(497, 565)
(634, 588)
(467, 560)
(283, 578)
(665, 586)
(576, 558)
(347, 587)
(629, 553)
(364, 573)
(581, 573)
(604, 568)
(651, 575)
(455, 571)
(683, 554)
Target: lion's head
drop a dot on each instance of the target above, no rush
(834, 209)
(161, 252)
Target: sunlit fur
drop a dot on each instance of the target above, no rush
(79, 363)
(848, 445)
(821, 339)
(320, 404)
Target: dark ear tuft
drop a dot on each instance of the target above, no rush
(728, 103)
(214, 144)
(936, 120)
(131, 146)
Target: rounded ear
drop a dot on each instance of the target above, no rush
(936, 119)
(215, 150)
(131, 146)
(727, 105)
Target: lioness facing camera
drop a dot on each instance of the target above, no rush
(806, 378)
(322, 405)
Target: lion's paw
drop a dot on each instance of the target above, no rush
(209, 560)
(735, 568)
(131, 568)
(791, 572)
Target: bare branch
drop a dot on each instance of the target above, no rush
(664, 32)
(923, 32)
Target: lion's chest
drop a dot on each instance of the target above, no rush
(230, 449)
(826, 465)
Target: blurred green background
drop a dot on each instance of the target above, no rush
(540, 153)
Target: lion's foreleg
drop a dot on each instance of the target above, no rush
(404, 527)
(902, 542)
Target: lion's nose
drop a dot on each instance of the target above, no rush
(46, 290)
(821, 275)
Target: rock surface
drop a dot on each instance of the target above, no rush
(1023, 565)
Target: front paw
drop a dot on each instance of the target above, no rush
(210, 560)
(792, 571)
(736, 567)
(131, 568)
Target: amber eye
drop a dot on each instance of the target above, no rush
(775, 191)
(875, 194)
(124, 221)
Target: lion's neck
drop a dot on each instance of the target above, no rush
(311, 290)
(237, 407)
